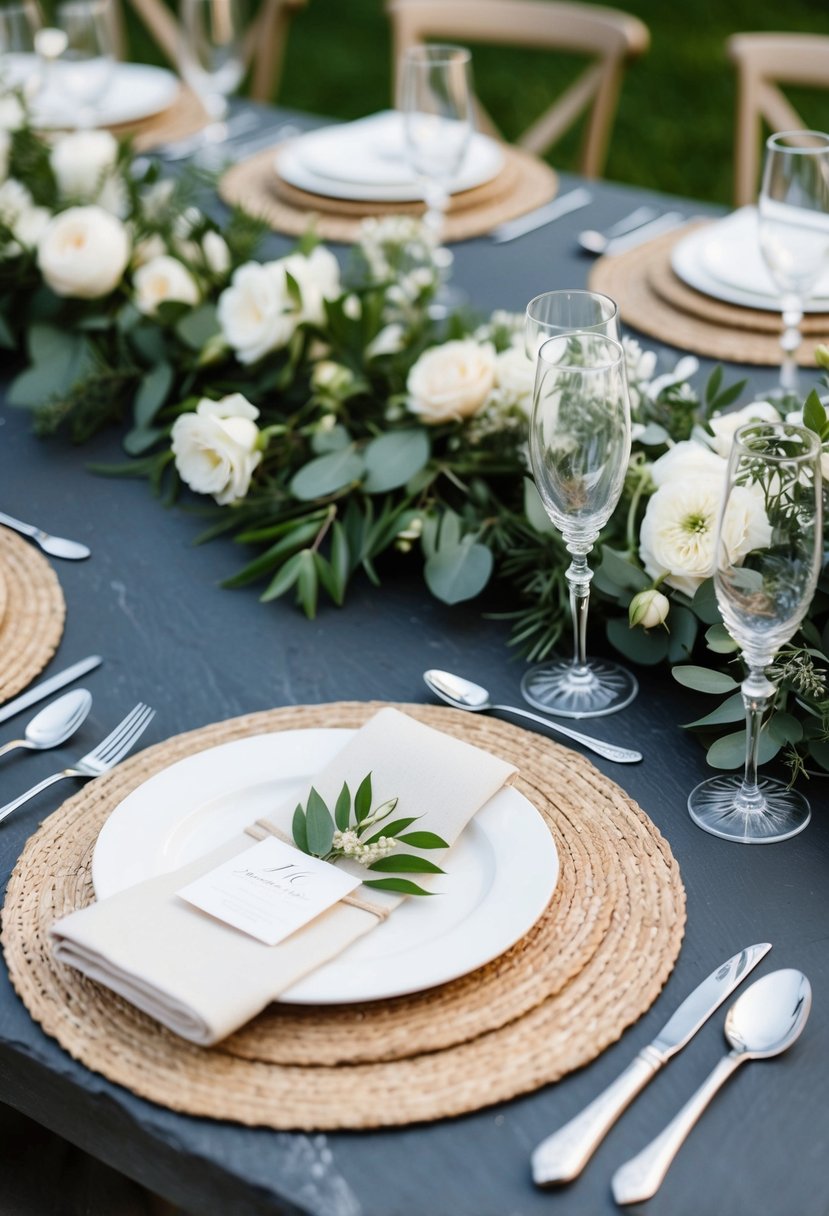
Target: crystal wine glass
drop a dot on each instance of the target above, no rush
(19, 25)
(212, 56)
(83, 72)
(773, 502)
(793, 212)
(438, 122)
(560, 312)
(579, 451)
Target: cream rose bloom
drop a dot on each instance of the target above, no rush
(83, 253)
(215, 447)
(515, 378)
(82, 161)
(318, 278)
(162, 279)
(724, 425)
(676, 541)
(452, 381)
(685, 460)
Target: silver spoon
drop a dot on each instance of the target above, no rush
(463, 694)
(54, 724)
(763, 1022)
(55, 546)
(592, 241)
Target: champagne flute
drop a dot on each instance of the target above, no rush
(87, 58)
(793, 212)
(212, 56)
(579, 451)
(560, 312)
(438, 121)
(773, 496)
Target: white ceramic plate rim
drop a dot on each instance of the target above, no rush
(136, 91)
(145, 836)
(688, 262)
(290, 167)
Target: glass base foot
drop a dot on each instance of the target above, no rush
(712, 806)
(602, 687)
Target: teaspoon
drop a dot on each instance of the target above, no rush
(463, 694)
(54, 724)
(763, 1022)
(55, 546)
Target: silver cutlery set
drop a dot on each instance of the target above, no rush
(643, 224)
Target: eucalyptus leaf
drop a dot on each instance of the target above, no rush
(333, 440)
(459, 574)
(731, 710)
(718, 639)
(198, 326)
(704, 603)
(703, 679)
(621, 572)
(393, 458)
(653, 436)
(152, 393)
(682, 634)
(141, 439)
(537, 517)
(819, 750)
(327, 474)
(405, 863)
(319, 825)
(647, 647)
(729, 752)
(785, 728)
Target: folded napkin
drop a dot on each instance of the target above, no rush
(202, 978)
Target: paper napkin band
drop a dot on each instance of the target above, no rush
(202, 978)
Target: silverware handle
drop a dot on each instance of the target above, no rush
(41, 785)
(18, 525)
(641, 1177)
(562, 1156)
(11, 745)
(622, 755)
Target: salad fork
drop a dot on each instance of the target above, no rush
(100, 760)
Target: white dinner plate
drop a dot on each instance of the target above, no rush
(723, 260)
(499, 876)
(365, 161)
(135, 91)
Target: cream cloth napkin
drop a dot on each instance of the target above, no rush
(203, 979)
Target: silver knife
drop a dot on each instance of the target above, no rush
(47, 687)
(55, 546)
(563, 205)
(645, 232)
(562, 1156)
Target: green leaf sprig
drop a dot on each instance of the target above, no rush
(352, 832)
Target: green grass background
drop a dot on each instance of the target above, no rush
(674, 127)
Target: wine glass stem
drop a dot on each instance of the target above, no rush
(790, 340)
(436, 199)
(757, 692)
(579, 575)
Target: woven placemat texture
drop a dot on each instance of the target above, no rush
(523, 184)
(185, 117)
(33, 612)
(594, 962)
(655, 301)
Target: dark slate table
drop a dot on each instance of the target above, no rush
(151, 604)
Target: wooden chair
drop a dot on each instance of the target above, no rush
(763, 61)
(265, 42)
(610, 37)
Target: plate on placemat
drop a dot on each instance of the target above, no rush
(500, 875)
(135, 91)
(723, 260)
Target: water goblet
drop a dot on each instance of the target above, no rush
(212, 57)
(772, 508)
(438, 122)
(793, 212)
(579, 451)
(82, 71)
(560, 312)
(19, 25)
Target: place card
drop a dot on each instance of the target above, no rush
(270, 890)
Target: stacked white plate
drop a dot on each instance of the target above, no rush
(366, 161)
(723, 260)
(135, 91)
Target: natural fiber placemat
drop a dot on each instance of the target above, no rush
(185, 117)
(524, 183)
(652, 299)
(33, 612)
(619, 893)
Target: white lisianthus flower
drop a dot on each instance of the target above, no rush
(515, 378)
(256, 312)
(216, 447)
(648, 609)
(83, 253)
(12, 114)
(452, 381)
(724, 425)
(162, 279)
(639, 364)
(216, 253)
(685, 460)
(676, 541)
(84, 167)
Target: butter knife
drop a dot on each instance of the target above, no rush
(563, 205)
(47, 687)
(562, 1156)
(55, 546)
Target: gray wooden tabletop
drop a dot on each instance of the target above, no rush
(150, 604)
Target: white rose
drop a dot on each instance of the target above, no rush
(678, 532)
(83, 253)
(12, 114)
(147, 249)
(318, 279)
(216, 253)
(82, 163)
(215, 447)
(256, 311)
(164, 278)
(452, 381)
(724, 425)
(5, 153)
(686, 460)
(515, 377)
(648, 609)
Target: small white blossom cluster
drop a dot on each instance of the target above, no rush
(400, 250)
(366, 854)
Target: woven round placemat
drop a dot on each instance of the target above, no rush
(523, 184)
(592, 964)
(33, 612)
(652, 299)
(185, 117)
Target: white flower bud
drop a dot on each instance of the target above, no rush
(649, 609)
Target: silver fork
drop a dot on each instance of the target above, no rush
(100, 760)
